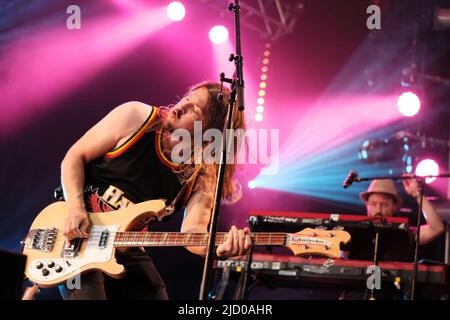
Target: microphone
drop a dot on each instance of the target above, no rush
(352, 175)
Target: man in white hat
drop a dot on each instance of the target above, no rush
(382, 200)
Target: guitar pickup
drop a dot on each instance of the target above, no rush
(103, 239)
(72, 250)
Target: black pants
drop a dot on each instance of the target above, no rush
(141, 282)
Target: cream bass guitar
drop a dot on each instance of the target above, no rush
(52, 261)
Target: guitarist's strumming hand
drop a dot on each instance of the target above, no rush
(76, 224)
(238, 243)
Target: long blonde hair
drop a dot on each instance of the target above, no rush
(216, 116)
(217, 108)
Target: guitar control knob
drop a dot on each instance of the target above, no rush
(39, 265)
(50, 264)
(45, 272)
(58, 269)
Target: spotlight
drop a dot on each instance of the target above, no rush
(441, 18)
(176, 11)
(218, 34)
(263, 84)
(427, 167)
(252, 184)
(408, 104)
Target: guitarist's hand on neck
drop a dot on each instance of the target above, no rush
(238, 243)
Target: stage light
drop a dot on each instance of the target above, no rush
(427, 167)
(218, 34)
(252, 184)
(441, 18)
(408, 104)
(263, 84)
(176, 11)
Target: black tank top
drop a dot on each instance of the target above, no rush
(134, 172)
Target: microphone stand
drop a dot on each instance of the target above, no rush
(241, 292)
(236, 97)
(421, 183)
(375, 257)
(420, 180)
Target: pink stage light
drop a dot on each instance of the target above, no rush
(130, 6)
(48, 64)
(258, 117)
(408, 104)
(176, 11)
(345, 117)
(221, 54)
(218, 34)
(427, 167)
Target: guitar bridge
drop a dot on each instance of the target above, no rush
(41, 239)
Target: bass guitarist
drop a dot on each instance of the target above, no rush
(126, 158)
